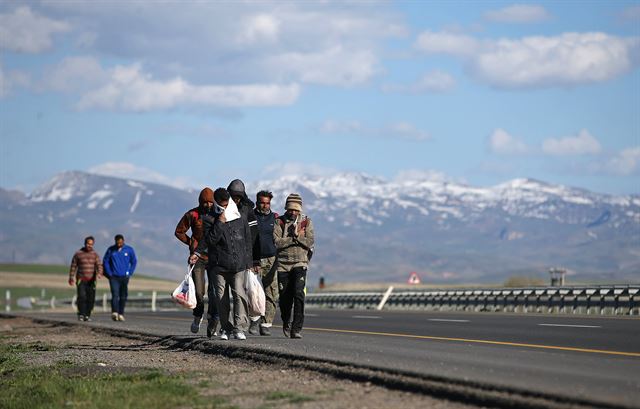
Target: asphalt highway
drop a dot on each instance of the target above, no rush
(587, 357)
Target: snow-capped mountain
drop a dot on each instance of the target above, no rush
(367, 228)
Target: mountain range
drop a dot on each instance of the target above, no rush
(367, 228)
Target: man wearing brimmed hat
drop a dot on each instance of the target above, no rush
(294, 241)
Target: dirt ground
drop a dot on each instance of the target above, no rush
(241, 383)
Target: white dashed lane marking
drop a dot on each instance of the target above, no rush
(445, 320)
(366, 317)
(570, 326)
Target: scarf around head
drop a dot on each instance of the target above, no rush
(231, 213)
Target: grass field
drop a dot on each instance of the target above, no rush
(69, 385)
(41, 281)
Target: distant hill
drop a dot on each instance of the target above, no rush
(367, 229)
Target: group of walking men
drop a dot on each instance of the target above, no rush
(118, 265)
(231, 238)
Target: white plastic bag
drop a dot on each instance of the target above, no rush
(255, 294)
(185, 293)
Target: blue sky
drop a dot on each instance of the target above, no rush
(199, 93)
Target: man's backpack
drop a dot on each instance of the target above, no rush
(282, 222)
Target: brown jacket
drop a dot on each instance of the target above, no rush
(85, 265)
(292, 251)
(191, 220)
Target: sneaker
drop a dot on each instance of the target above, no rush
(296, 335)
(265, 331)
(195, 325)
(114, 316)
(121, 317)
(224, 336)
(87, 318)
(254, 327)
(286, 329)
(239, 335)
(80, 317)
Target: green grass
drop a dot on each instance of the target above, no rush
(52, 269)
(67, 385)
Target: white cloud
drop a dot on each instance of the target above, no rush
(260, 28)
(130, 89)
(564, 60)
(26, 32)
(518, 13)
(281, 169)
(448, 43)
(331, 66)
(582, 144)
(425, 175)
(75, 74)
(397, 130)
(10, 80)
(627, 162)
(435, 81)
(501, 142)
(326, 43)
(127, 170)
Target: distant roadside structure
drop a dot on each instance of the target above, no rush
(557, 275)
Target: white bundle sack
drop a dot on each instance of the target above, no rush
(255, 294)
(185, 293)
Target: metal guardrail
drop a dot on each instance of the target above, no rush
(603, 300)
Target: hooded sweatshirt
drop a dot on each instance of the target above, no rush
(228, 243)
(192, 219)
(236, 187)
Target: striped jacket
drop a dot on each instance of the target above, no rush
(85, 265)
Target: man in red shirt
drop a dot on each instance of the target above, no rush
(85, 269)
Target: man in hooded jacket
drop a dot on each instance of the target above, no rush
(227, 238)
(193, 219)
(245, 206)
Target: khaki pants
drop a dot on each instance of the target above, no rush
(269, 277)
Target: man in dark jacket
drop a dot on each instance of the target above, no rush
(119, 264)
(267, 250)
(192, 220)
(85, 269)
(245, 206)
(228, 240)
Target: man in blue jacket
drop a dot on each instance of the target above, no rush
(119, 264)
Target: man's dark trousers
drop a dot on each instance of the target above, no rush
(86, 297)
(292, 285)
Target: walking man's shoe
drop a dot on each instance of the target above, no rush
(114, 316)
(253, 327)
(80, 317)
(120, 317)
(296, 335)
(265, 331)
(285, 330)
(87, 318)
(223, 335)
(239, 335)
(212, 326)
(195, 325)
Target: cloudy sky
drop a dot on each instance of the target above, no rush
(198, 93)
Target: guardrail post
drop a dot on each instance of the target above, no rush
(153, 301)
(385, 297)
(53, 302)
(104, 302)
(73, 302)
(8, 304)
